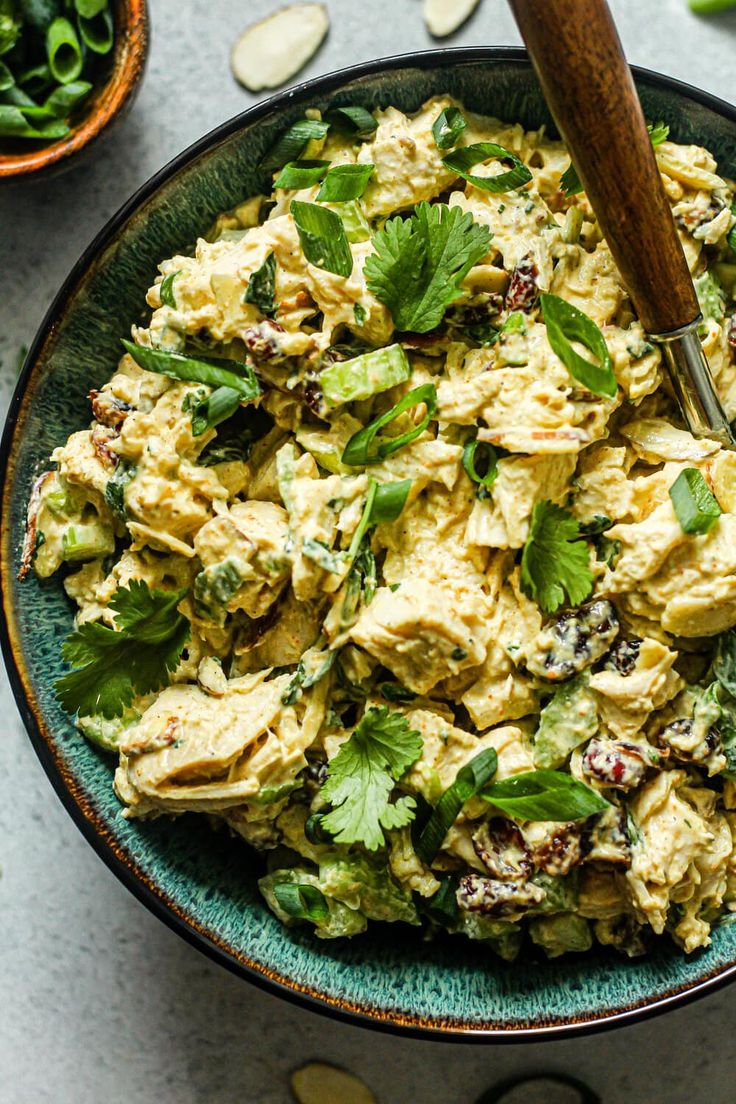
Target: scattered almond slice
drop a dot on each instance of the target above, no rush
(318, 1083)
(271, 52)
(445, 16)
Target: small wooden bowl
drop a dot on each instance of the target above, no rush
(107, 102)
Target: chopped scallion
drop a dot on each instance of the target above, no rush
(565, 324)
(301, 902)
(469, 780)
(461, 161)
(323, 239)
(695, 504)
(344, 182)
(544, 795)
(447, 127)
(369, 446)
(301, 174)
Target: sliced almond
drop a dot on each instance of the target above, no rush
(445, 16)
(318, 1083)
(271, 52)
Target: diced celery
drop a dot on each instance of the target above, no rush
(58, 502)
(710, 296)
(86, 542)
(215, 587)
(364, 375)
(353, 219)
(558, 934)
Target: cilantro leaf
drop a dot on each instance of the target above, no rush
(420, 262)
(554, 562)
(362, 776)
(111, 666)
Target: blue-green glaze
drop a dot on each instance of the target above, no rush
(199, 880)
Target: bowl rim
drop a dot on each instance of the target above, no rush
(129, 57)
(68, 790)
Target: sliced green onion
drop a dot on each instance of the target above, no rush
(7, 80)
(301, 902)
(324, 557)
(393, 692)
(314, 831)
(261, 289)
(447, 127)
(385, 502)
(115, 489)
(13, 124)
(39, 13)
(323, 239)
(659, 132)
(303, 681)
(695, 504)
(217, 407)
(292, 143)
(62, 101)
(365, 375)
(356, 120)
(731, 236)
(88, 9)
(469, 780)
(544, 795)
(344, 182)
(710, 7)
(367, 447)
(210, 371)
(565, 324)
(63, 51)
(442, 906)
(97, 33)
(491, 462)
(86, 542)
(360, 314)
(570, 182)
(301, 174)
(166, 290)
(35, 81)
(460, 161)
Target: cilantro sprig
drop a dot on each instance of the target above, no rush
(420, 262)
(555, 563)
(362, 776)
(111, 666)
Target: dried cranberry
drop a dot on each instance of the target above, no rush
(502, 849)
(523, 291)
(490, 897)
(108, 410)
(732, 331)
(623, 656)
(263, 340)
(560, 851)
(614, 763)
(574, 640)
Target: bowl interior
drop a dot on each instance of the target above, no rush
(199, 880)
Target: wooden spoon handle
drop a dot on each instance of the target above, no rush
(577, 54)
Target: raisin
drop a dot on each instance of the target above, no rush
(606, 838)
(560, 851)
(574, 640)
(623, 656)
(614, 763)
(108, 410)
(732, 331)
(523, 291)
(263, 340)
(491, 897)
(502, 849)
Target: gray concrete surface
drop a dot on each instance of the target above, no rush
(98, 1000)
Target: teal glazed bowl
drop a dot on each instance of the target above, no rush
(201, 882)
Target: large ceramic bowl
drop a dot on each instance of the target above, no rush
(200, 882)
